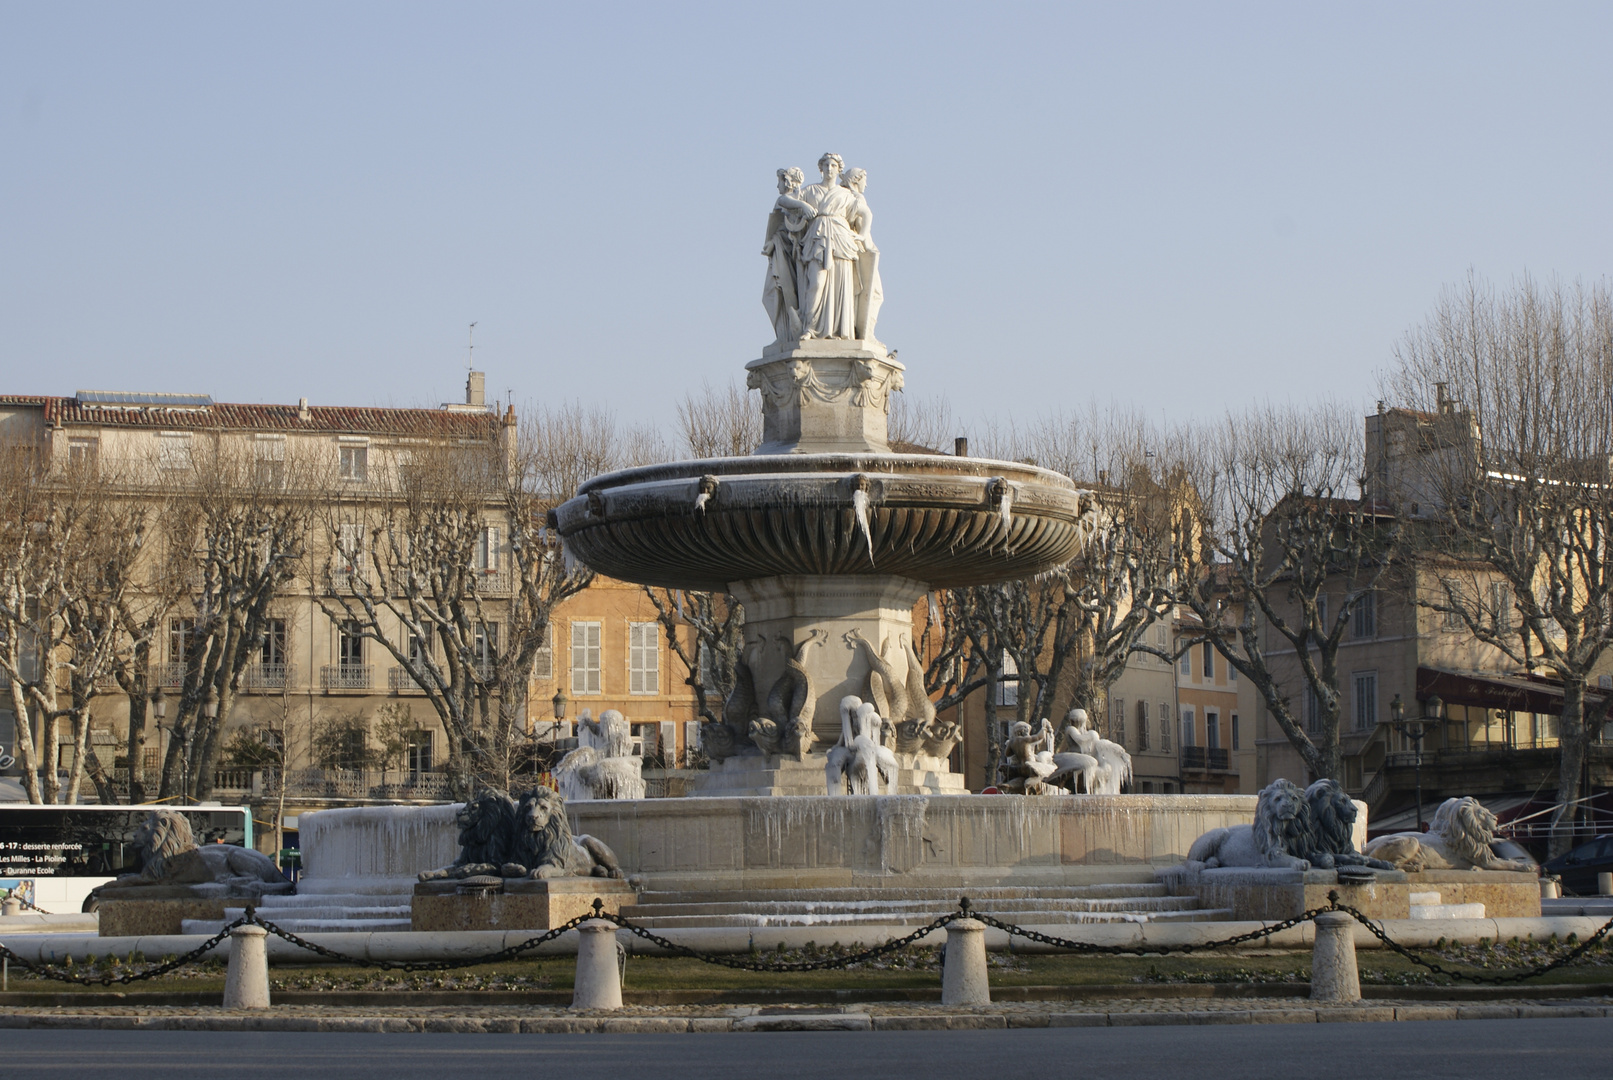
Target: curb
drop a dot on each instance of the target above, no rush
(848, 1021)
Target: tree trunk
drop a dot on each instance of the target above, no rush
(137, 742)
(1571, 763)
(27, 756)
(994, 748)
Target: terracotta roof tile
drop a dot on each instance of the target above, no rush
(332, 419)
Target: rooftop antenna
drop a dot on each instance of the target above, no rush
(470, 349)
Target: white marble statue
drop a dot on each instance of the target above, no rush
(785, 227)
(830, 259)
(1110, 767)
(859, 760)
(1029, 762)
(603, 766)
(870, 295)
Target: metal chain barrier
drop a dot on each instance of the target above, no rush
(1565, 959)
(965, 911)
(61, 974)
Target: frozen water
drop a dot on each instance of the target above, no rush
(859, 506)
(378, 841)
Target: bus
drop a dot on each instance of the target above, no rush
(52, 856)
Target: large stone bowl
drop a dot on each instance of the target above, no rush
(945, 521)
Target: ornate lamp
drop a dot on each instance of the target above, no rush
(1415, 729)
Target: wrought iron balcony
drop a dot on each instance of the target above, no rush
(346, 676)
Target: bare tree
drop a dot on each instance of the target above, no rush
(720, 422)
(1511, 472)
(1281, 554)
(65, 546)
(242, 534)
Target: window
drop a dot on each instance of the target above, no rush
(349, 547)
(421, 646)
(1321, 615)
(173, 451)
(1313, 710)
(269, 460)
(1142, 725)
(1452, 621)
(1501, 601)
(585, 658)
(1212, 729)
(1118, 732)
(643, 658)
(1164, 727)
(148, 760)
(486, 559)
(1366, 700)
(1008, 685)
(179, 632)
(355, 462)
(1159, 635)
(1209, 662)
(1185, 664)
(1187, 727)
(274, 643)
(1232, 672)
(1235, 740)
(419, 751)
(486, 645)
(1364, 622)
(543, 660)
(350, 644)
(82, 454)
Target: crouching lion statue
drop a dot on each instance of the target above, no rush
(532, 839)
(1280, 836)
(486, 827)
(1332, 820)
(174, 866)
(1458, 839)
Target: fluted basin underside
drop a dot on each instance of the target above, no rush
(943, 520)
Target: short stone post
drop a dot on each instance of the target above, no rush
(599, 981)
(963, 975)
(1549, 889)
(1334, 976)
(10, 906)
(1604, 884)
(246, 983)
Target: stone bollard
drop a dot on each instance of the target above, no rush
(963, 975)
(246, 983)
(599, 981)
(1549, 889)
(1334, 976)
(1604, 884)
(10, 906)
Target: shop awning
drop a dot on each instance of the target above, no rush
(1486, 690)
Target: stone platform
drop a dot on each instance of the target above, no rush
(1270, 894)
(518, 904)
(142, 918)
(756, 775)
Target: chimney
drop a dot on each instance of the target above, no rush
(960, 447)
(302, 409)
(475, 392)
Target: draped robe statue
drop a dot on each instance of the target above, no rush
(830, 248)
(780, 291)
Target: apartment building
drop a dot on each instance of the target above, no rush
(330, 682)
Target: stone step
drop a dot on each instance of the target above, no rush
(334, 900)
(977, 896)
(306, 926)
(1026, 918)
(1000, 908)
(335, 914)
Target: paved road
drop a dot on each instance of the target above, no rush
(1460, 1050)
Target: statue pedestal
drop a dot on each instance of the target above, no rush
(824, 396)
(517, 904)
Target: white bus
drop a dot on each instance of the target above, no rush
(52, 856)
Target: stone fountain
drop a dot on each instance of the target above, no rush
(825, 536)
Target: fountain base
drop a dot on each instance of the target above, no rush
(757, 774)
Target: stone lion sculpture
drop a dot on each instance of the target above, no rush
(1457, 839)
(545, 847)
(174, 866)
(486, 829)
(1279, 837)
(1332, 819)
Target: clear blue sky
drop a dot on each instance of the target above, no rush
(1179, 205)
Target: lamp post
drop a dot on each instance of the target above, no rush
(559, 702)
(1415, 728)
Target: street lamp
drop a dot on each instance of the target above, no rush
(1414, 729)
(559, 702)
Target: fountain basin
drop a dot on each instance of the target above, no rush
(944, 521)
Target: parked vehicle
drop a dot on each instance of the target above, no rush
(1579, 867)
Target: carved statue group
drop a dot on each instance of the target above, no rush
(603, 766)
(822, 264)
(1083, 759)
(897, 717)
